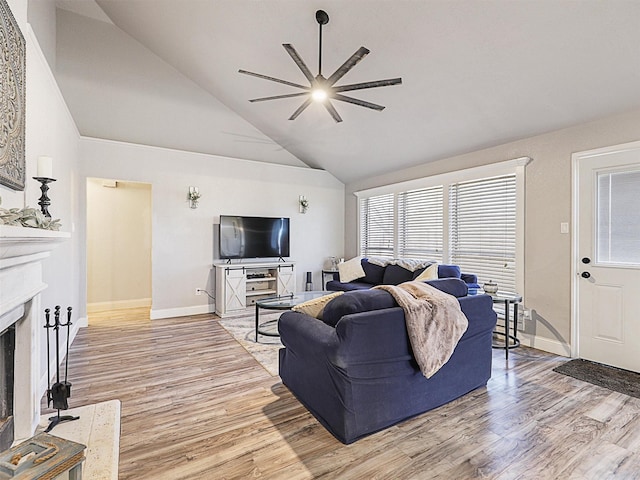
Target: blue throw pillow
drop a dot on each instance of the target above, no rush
(355, 302)
(395, 275)
(373, 274)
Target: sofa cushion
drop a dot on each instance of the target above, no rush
(448, 271)
(315, 306)
(335, 285)
(355, 302)
(373, 274)
(395, 275)
(350, 270)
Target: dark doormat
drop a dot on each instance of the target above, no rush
(613, 378)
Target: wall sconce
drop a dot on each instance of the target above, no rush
(194, 196)
(304, 204)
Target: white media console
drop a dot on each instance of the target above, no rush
(239, 286)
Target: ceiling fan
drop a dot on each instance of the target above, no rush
(323, 89)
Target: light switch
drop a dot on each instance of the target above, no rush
(564, 227)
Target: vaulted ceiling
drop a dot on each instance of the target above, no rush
(475, 74)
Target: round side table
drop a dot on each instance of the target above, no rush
(508, 299)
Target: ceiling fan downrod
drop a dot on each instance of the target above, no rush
(322, 18)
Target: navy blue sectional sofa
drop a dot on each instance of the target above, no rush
(395, 275)
(354, 370)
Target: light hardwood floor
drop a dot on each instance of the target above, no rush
(195, 405)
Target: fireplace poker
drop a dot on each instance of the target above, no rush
(48, 326)
(66, 360)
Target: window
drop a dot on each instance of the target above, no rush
(420, 223)
(377, 226)
(472, 218)
(482, 229)
(618, 224)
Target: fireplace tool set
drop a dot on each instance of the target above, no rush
(59, 392)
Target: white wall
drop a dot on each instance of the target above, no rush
(183, 238)
(118, 89)
(548, 203)
(118, 245)
(50, 130)
(40, 15)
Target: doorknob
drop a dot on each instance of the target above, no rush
(586, 260)
(585, 274)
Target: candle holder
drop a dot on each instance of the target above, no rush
(44, 201)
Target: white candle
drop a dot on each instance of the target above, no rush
(45, 167)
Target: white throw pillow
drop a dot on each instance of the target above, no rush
(430, 273)
(351, 270)
(315, 306)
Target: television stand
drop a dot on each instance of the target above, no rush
(239, 286)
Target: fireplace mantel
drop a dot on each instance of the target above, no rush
(22, 250)
(22, 241)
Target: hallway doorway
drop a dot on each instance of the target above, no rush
(118, 245)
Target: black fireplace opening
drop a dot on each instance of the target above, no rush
(7, 351)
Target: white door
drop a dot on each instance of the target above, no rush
(608, 256)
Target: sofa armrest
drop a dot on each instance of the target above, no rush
(301, 332)
(470, 279)
(452, 286)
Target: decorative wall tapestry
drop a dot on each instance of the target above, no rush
(12, 100)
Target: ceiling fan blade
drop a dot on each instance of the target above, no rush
(277, 97)
(296, 58)
(300, 109)
(332, 111)
(356, 101)
(374, 84)
(273, 79)
(348, 65)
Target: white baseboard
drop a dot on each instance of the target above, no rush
(545, 344)
(118, 305)
(181, 311)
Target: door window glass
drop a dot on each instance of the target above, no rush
(618, 218)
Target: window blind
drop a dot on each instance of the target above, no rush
(377, 226)
(420, 223)
(482, 229)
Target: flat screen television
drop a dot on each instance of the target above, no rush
(253, 237)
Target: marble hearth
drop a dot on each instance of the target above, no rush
(21, 253)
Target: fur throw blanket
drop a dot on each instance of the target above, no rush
(410, 264)
(434, 322)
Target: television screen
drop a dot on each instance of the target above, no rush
(253, 237)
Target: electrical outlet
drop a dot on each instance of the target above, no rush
(526, 315)
(198, 291)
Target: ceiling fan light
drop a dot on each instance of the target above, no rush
(319, 95)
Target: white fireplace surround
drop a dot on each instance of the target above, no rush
(21, 253)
